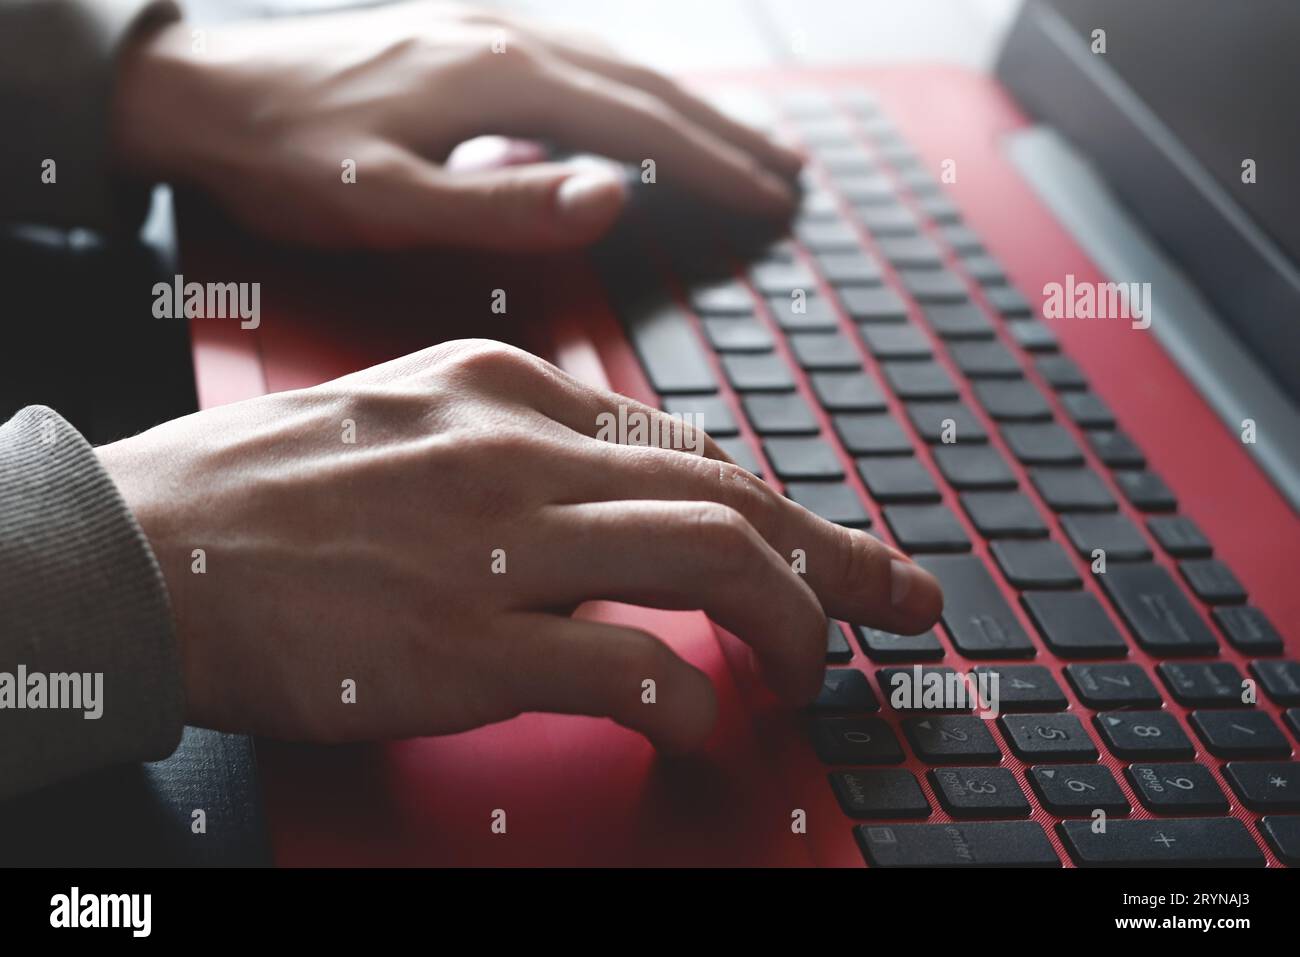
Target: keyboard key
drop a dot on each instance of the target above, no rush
(1265, 785)
(985, 360)
(952, 738)
(786, 413)
(1003, 515)
(937, 421)
(1185, 788)
(928, 689)
(896, 340)
(740, 452)
(974, 467)
(1047, 737)
(781, 278)
(738, 334)
(905, 251)
(976, 844)
(844, 740)
(919, 380)
(892, 219)
(1087, 410)
(1008, 301)
(885, 646)
(1248, 629)
(933, 285)
(671, 354)
(940, 209)
(1146, 491)
(1060, 373)
(757, 373)
(872, 303)
(1074, 625)
(895, 479)
(1115, 449)
(1012, 401)
(1293, 720)
(725, 297)
(976, 615)
(838, 651)
(1072, 490)
(1283, 833)
(1113, 686)
(1154, 842)
(926, 528)
(880, 793)
(1215, 684)
(979, 792)
(866, 189)
(1143, 734)
(845, 690)
(834, 501)
(1035, 563)
(1213, 581)
(802, 458)
(1179, 536)
(872, 434)
(807, 313)
(1045, 443)
(1078, 789)
(1032, 336)
(848, 392)
(824, 351)
(1162, 619)
(962, 238)
(1280, 680)
(850, 268)
(1111, 532)
(1240, 734)
(827, 236)
(958, 320)
(1025, 688)
(986, 270)
(709, 412)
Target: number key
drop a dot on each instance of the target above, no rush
(1144, 734)
(1047, 737)
(1178, 788)
(979, 792)
(1078, 789)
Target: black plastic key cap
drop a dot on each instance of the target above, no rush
(873, 303)
(1183, 788)
(1293, 720)
(1032, 336)
(836, 502)
(1179, 536)
(824, 351)
(958, 320)
(1113, 686)
(1074, 624)
(892, 480)
(1047, 737)
(974, 467)
(985, 360)
(951, 738)
(802, 458)
(1072, 490)
(1087, 410)
(806, 313)
(741, 454)
(926, 528)
(1214, 684)
(775, 278)
(1162, 842)
(1213, 581)
(724, 297)
(709, 412)
(1025, 688)
(1283, 834)
(1115, 449)
(846, 690)
(934, 285)
(1003, 515)
(837, 646)
(1111, 532)
(889, 219)
(1060, 372)
(823, 236)
(786, 413)
(1240, 734)
(737, 334)
(871, 433)
(979, 792)
(672, 355)
(1016, 400)
(962, 238)
(919, 380)
(986, 270)
(946, 422)
(757, 373)
(1146, 490)
(885, 646)
(842, 740)
(1162, 619)
(1150, 735)
(1248, 629)
(848, 392)
(1265, 785)
(1035, 563)
(1009, 302)
(974, 844)
(904, 251)
(1041, 443)
(976, 615)
(1280, 679)
(1076, 790)
(925, 688)
(879, 793)
(895, 340)
(850, 268)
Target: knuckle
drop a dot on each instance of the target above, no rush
(717, 527)
(480, 358)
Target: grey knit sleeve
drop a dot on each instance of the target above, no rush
(89, 665)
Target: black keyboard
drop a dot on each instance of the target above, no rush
(879, 368)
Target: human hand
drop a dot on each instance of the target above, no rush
(373, 561)
(265, 116)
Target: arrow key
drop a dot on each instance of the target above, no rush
(1076, 790)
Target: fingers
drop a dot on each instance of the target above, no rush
(857, 577)
(697, 555)
(575, 666)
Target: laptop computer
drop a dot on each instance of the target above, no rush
(1035, 329)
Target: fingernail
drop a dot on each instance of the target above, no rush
(902, 577)
(588, 196)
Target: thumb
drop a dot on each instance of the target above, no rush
(536, 207)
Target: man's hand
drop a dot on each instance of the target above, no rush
(377, 559)
(266, 115)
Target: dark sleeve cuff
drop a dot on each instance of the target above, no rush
(58, 62)
(81, 596)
